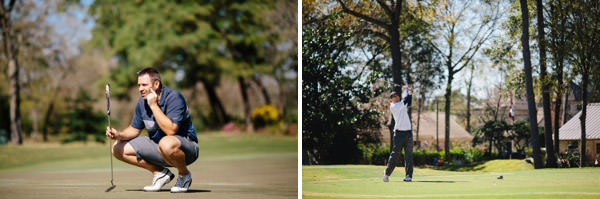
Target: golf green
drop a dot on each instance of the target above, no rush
(363, 181)
(229, 166)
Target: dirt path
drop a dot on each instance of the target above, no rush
(253, 176)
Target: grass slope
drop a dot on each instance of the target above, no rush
(360, 181)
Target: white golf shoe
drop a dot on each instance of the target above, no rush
(386, 178)
(183, 183)
(407, 179)
(160, 180)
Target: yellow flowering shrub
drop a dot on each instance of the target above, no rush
(265, 115)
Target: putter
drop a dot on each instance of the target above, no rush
(110, 140)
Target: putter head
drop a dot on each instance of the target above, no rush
(110, 188)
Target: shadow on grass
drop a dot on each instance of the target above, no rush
(169, 190)
(437, 181)
(466, 168)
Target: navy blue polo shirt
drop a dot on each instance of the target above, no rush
(173, 106)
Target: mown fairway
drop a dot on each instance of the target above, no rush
(229, 166)
(520, 181)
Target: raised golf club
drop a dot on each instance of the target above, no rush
(112, 185)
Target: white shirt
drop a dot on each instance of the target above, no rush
(400, 114)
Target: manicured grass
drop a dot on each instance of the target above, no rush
(363, 181)
(492, 165)
(56, 156)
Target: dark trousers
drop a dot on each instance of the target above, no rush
(401, 140)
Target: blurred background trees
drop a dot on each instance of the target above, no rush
(228, 58)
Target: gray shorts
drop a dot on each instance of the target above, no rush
(147, 149)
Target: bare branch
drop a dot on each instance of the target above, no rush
(362, 16)
(385, 7)
(11, 5)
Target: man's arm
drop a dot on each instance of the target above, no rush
(164, 123)
(127, 133)
(408, 99)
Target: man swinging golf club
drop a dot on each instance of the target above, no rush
(402, 134)
(171, 140)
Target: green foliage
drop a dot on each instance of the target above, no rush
(81, 122)
(265, 115)
(331, 116)
(203, 39)
(492, 131)
(520, 133)
(191, 42)
(367, 151)
(381, 155)
(426, 157)
(374, 153)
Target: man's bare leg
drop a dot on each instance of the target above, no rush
(123, 151)
(169, 150)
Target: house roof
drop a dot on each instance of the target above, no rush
(572, 129)
(427, 126)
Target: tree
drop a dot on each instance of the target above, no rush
(557, 45)
(241, 28)
(11, 50)
(390, 23)
(469, 87)
(331, 117)
(545, 80)
(584, 18)
(520, 133)
(81, 121)
(449, 16)
(394, 29)
(493, 132)
(529, 85)
(202, 40)
(284, 52)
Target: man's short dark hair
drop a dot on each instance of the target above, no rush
(152, 72)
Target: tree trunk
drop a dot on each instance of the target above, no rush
(396, 54)
(263, 90)
(447, 114)
(537, 160)
(490, 147)
(566, 103)
(215, 103)
(550, 158)
(557, 35)
(420, 105)
(47, 120)
(249, 127)
(585, 79)
(35, 133)
(13, 74)
(498, 103)
(557, 106)
(469, 87)
(437, 126)
(283, 99)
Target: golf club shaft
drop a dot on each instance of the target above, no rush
(110, 141)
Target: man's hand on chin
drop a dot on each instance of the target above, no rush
(152, 98)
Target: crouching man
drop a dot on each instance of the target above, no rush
(171, 141)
